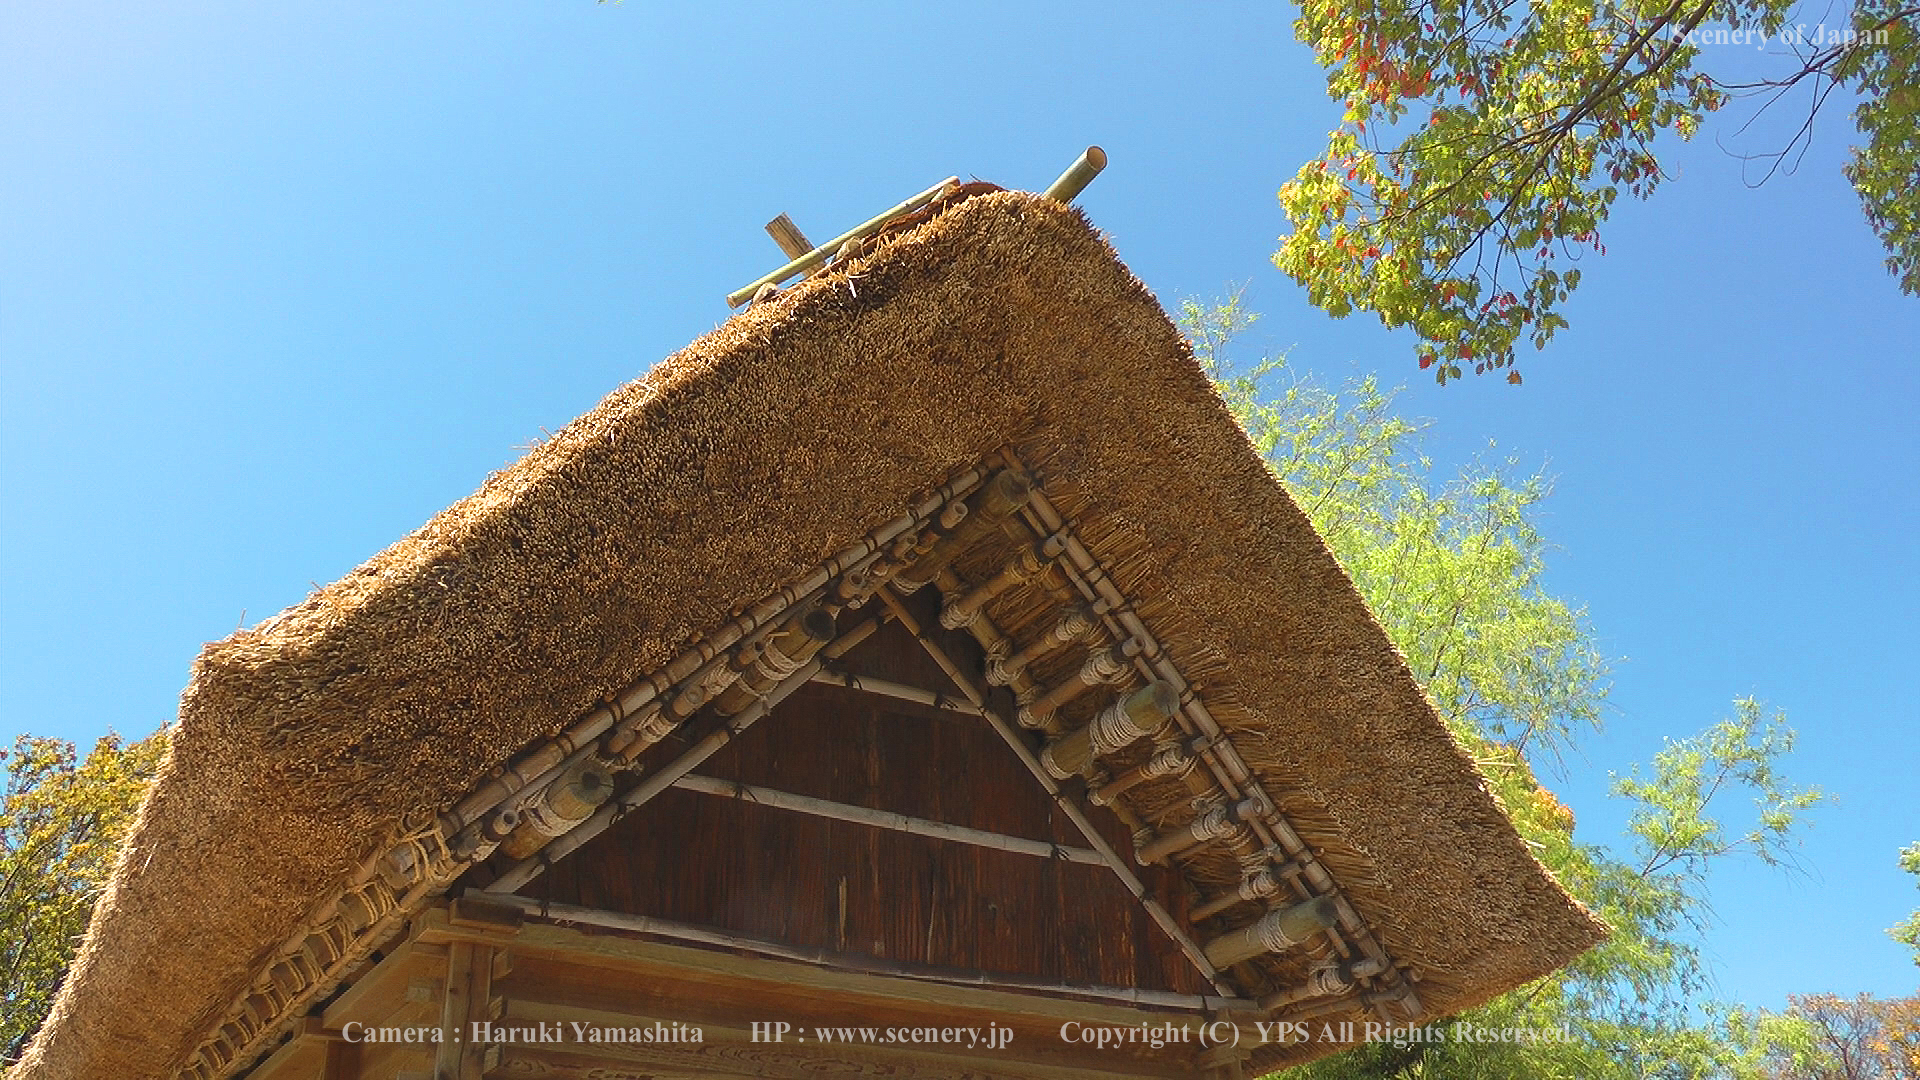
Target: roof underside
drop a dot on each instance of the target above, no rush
(313, 742)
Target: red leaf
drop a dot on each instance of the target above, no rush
(1513, 377)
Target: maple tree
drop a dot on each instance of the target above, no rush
(1858, 1038)
(1484, 143)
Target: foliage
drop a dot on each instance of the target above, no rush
(1484, 142)
(1862, 1038)
(1908, 932)
(1455, 573)
(61, 823)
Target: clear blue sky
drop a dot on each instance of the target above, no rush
(277, 282)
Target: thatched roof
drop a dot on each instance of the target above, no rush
(736, 466)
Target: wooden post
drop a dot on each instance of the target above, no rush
(788, 236)
(343, 1061)
(467, 998)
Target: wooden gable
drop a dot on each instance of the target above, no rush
(701, 710)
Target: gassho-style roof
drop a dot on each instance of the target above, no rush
(1003, 329)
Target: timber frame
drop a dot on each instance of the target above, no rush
(1091, 718)
(989, 503)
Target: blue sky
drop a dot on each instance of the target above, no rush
(279, 282)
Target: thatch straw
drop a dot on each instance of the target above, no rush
(311, 742)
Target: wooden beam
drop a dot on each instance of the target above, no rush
(386, 980)
(885, 819)
(1209, 825)
(885, 688)
(1018, 743)
(467, 998)
(296, 1059)
(864, 972)
(1276, 931)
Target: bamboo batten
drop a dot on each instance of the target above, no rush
(1102, 667)
(887, 688)
(817, 257)
(648, 728)
(1329, 979)
(1072, 625)
(1141, 715)
(1174, 761)
(1004, 493)
(1264, 883)
(1274, 932)
(763, 664)
(560, 806)
(884, 819)
(1028, 563)
(1216, 822)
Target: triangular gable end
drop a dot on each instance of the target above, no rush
(1069, 526)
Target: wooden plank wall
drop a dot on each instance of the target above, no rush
(799, 880)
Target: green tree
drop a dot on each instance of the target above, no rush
(1484, 142)
(61, 823)
(1908, 932)
(1862, 1038)
(1455, 572)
